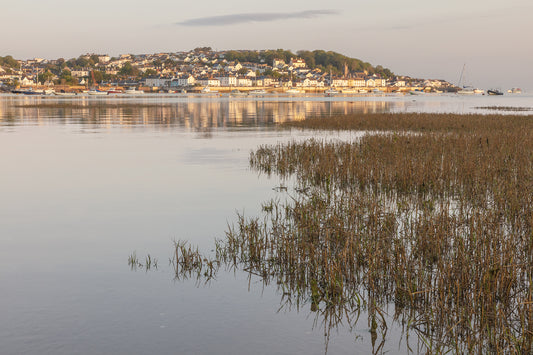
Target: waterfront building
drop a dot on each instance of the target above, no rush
(227, 80)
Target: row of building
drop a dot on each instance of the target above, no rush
(207, 69)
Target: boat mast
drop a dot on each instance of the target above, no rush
(461, 77)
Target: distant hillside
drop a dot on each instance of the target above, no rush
(8, 62)
(326, 61)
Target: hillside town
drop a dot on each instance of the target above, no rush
(201, 68)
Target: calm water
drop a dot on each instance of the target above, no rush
(85, 182)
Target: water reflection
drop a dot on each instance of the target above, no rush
(193, 113)
(199, 112)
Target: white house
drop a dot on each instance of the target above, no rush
(183, 80)
(26, 82)
(244, 82)
(399, 83)
(308, 82)
(157, 82)
(297, 63)
(375, 80)
(80, 73)
(278, 63)
(339, 82)
(357, 82)
(227, 80)
(206, 81)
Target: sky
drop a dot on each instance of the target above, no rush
(420, 38)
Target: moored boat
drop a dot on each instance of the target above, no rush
(494, 92)
(114, 91)
(466, 91)
(330, 92)
(258, 92)
(96, 92)
(349, 91)
(65, 93)
(293, 91)
(207, 90)
(236, 92)
(133, 91)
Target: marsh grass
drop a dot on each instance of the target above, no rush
(505, 108)
(188, 262)
(416, 122)
(149, 262)
(427, 225)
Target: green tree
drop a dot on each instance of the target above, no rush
(67, 78)
(157, 63)
(98, 77)
(128, 70)
(44, 77)
(202, 49)
(8, 61)
(149, 72)
(169, 63)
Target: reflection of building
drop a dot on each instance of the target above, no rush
(178, 112)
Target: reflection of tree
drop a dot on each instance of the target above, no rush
(196, 115)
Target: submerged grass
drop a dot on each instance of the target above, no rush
(135, 263)
(429, 223)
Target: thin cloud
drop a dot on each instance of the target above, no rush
(235, 19)
(441, 20)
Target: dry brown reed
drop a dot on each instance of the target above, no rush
(416, 122)
(429, 224)
(188, 262)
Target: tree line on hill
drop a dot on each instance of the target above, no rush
(326, 61)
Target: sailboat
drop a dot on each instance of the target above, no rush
(467, 89)
(331, 91)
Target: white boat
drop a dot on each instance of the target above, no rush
(63, 93)
(237, 93)
(293, 91)
(96, 92)
(133, 91)
(258, 92)
(32, 91)
(349, 91)
(208, 90)
(466, 89)
(330, 92)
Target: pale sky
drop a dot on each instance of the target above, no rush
(420, 38)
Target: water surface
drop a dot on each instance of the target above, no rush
(87, 181)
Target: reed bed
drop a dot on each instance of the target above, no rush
(416, 122)
(428, 224)
(505, 108)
